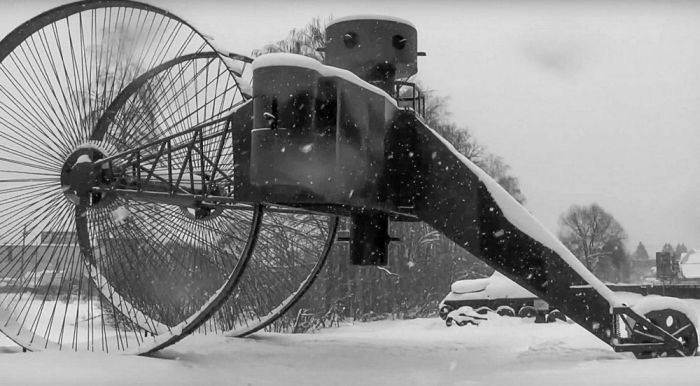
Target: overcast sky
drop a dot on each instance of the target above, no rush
(587, 101)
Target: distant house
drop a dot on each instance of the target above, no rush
(690, 264)
(642, 270)
(56, 251)
(57, 237)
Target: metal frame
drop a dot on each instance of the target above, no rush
(451, 198)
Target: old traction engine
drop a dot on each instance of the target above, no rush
(154, 185)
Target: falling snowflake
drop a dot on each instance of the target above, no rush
(306, 148)
(120, 214)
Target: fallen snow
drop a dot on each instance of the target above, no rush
(371, 17)
(500, 351)
(470, 285)
(496, 286)
(643, 304)
(293, 60)
(121, 214)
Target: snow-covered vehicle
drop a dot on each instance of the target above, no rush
(495, 293)
(42, 278)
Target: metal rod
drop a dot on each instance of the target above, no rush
(168, 138)
(170, 167)
(155, 162)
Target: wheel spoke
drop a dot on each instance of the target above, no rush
(678, 331)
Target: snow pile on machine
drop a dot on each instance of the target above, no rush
(496, 286)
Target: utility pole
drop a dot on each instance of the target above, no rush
(21, 254)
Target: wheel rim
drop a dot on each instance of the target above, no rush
(58, 73)
(505, 311)
(553, 315)
(527, 312)
(291, 250)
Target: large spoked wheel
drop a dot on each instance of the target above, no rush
(292, 245)
(679, 326)
(59, 73)
(166, 261)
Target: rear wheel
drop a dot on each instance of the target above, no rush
(675, 323)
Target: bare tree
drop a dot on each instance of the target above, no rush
(585, 230)
(615, 264)
(303, 41)
(497, 168)
(463, 140)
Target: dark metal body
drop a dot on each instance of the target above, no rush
(403, 167)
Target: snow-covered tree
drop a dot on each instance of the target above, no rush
(497, 168)
(668, 248)
(640, 253)
(680, 249)
(614, 264)
(308, 41)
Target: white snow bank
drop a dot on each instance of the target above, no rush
(371, 17)
(503, 288)
(502, 351)
(497, 286)
(470, 285)
(650, 303)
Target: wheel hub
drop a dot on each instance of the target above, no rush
(201, 212)
(80, 177)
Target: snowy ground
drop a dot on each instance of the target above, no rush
(501, 351)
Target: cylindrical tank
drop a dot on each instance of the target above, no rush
(378, 49)
(291, 144)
